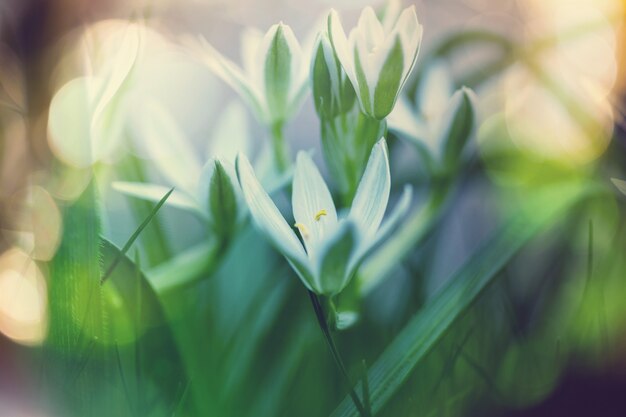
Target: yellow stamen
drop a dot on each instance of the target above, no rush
(303, 230)
(320, 213)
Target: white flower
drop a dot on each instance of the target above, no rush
(377, 57)
(332, 247)
(210, 191)
(273, 80)
(443, 119)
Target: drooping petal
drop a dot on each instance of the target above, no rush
(313, 206)
(229, 72)
(403, 120)
(435, 89)
(333, 271)
(154, 193)
(268, 218)
(372, 195)
(160, 135)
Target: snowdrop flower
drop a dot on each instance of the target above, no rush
(377, 56)
(444, 119)
(273, 80)
(331, 247)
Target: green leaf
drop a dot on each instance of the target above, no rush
(185, 268)
(440, 313)
(75, 297)
(135, 235)
(137, 322)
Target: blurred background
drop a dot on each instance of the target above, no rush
(549, 339)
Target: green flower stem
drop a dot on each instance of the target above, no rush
(279, 146)
(321, 319)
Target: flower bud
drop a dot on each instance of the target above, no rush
(219, 195)
(333, 93)
(377, 57)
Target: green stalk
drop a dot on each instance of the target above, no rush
(279, 146)
(321, 319)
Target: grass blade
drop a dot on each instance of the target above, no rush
(430, 324)
(135, 235)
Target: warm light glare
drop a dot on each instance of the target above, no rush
(23, 300)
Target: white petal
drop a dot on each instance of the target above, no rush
(343, 49)
(404, 121)
(620, 184)
(369, 39)
(333, 267)
(435, 89)
(392, 11)
(118, 69)
(312, 203)
(163, 139)
(389, 226)
(372, 195)
(251, 39)
(231, 135)
(73, 137)
(299, 69)
(410, 32)
(229, 72)
(268, 218)
(154, 193)
(370, 29)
